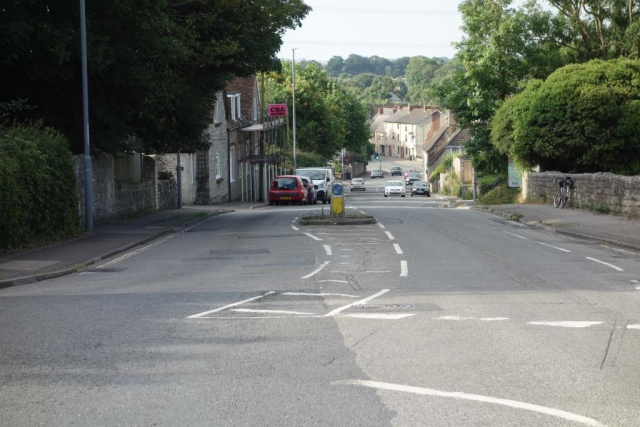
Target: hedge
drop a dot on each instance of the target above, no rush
(38, 201)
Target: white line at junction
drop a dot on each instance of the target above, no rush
(633, 326)
(477, 398)
(390, 236)
(313, 237)
(199, 315)
(249, 310)
(332, 281)
(516, 235)
(554, 247)
(566, 324)
(380, 316)
(397, 248)
(316, 271)
(404, 269)
(605, 263)
(327, 249)
(295, 228)
(381, 225)
(362, 301)
(307, 294)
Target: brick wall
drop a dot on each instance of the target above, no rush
(606, 191)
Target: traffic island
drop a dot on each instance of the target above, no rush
(355, 219)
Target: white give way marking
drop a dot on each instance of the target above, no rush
(566, 324)
(477, 398)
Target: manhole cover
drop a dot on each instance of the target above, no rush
(383, 306)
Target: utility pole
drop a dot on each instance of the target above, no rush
(293, 88)
(88, 174)
(342, 164)
(179, 180)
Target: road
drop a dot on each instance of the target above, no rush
(434, 316)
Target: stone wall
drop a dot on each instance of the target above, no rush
(358, 169)
(167, 194)
(604, 192)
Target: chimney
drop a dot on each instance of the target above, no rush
(453, 124)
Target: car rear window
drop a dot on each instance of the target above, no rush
(420, 184)
(286, 183)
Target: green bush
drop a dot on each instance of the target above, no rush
(38, 201)
(308, 160)
(489, 182)
(500, 195)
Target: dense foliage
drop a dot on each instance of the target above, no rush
(154, 65)
(38, 198)
(356, 64)
(583, 118)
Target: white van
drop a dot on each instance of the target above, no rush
(323, 180)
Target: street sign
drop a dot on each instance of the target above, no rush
(277, 110)
(337, 200)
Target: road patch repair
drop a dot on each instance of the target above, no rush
(228, 311)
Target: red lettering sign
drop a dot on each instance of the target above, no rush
(277, 110)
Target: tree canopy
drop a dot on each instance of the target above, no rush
(154, 65)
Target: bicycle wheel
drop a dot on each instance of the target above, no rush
(565, 196)
(557, 199)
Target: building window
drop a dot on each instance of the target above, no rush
(231, 162)
(218, 168)
(239, 106)
(218, 110)
(255, 108)
(234, 101)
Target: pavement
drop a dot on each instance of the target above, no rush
(604, 228)
(107, 240)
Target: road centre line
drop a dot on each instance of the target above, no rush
(362, 301)
(381, 225)
(316, 271)
(313, 237)
(397, 248)
(517, 235)
(554, 247)
(327, 249)
(295, 228)
(633, 326)
(566, 324)
(605, 263)
(477, 398)
(332, 281)
(249, 310)
(390, 236)
(307, 294)
(404, 269)
(204, 313)
(380, 316)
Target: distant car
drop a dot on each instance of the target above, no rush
(408, 171)
(397, 170)
(411, 178)
(377, 173)
(287, 189)
(394, 188)
(357, 184)
(323, 178)
(312, 190)
(420, 187)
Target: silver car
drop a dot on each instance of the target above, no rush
(394, 188)
(357, 184)
(377, 173)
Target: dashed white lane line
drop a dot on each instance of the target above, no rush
(605, 263)
(313, 237)
(566, 324)
(327, 249)
(380, 316)
(484, 319)
(569, 416)
(516, 235)
(381, 225)
(199, 315)
(316, 271)
(390, 236)
(332, 281)
(307, 294)
(360, 302)
(633, 326)
(554, 247)
(397, 248)
(249, 310)
(295, 228)
(363, 272)
(404, 269)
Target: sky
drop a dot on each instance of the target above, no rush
(387, 28)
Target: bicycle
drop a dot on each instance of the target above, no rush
(562, 193)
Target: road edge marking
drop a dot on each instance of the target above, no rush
(605, 263)
(204, 313)
(362, 301)
(316, 271)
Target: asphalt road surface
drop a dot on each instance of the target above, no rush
(434, 316)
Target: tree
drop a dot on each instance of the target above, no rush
(583, 118)
(419, 74)
(335, 66)
(399, 66)
(154, 66)
(356, 64)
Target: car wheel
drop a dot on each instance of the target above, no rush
(428, 194)
(403, 195)
(385, 195)
(411, 194)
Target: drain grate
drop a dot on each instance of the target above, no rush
(382, 306)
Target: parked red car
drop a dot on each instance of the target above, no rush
(287, 189)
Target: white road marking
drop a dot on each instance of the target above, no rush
(249, 310)
(332, 281)
(390, 236)
(633, 326)
(313, 237)
(381, 226)
(136, 252)
(454, 318)
(380, 316)
(346, 249)
(360, 243)
(477, 398)
(554, 247)
(307, 294)
(296, 218)
(484, 319)
(199, 315)
(344, 256)
(619, 250)
(566, 324)
(327, 249)
(344, 263)
(404, 269)
(517, 235)
(362, 301)
(295, 228)
(397, 248)
(605, 263)
(316, 271)
(493, 319)
(362, 212)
